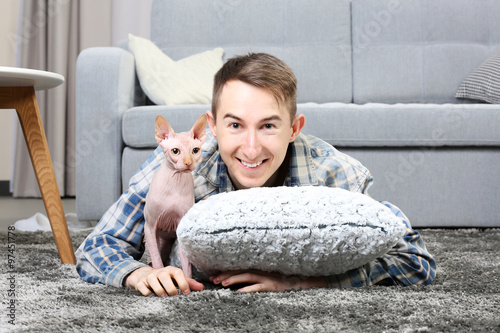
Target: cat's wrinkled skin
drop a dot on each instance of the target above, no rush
(171, 193)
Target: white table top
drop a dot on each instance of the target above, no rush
(23, 77)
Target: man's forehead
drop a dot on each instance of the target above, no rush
(243, 101)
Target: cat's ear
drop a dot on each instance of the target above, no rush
(162, 129)
(199, 128)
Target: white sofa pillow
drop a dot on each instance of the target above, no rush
(311, 231)
(165, 81)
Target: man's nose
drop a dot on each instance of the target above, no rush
(251, 147)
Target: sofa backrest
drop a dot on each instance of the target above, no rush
(419, 50)
(390, 51)
(314, 38)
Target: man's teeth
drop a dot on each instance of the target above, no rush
(251, 165)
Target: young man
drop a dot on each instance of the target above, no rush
(256, 141)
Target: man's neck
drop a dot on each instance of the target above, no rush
(282, 172)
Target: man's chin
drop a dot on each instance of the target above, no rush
(246, 186)
(251, 182)
(242, 184)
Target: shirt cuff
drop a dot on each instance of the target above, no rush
(120, 271)
(344, 280)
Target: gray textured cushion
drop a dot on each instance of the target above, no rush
(311, 231)
(484, 83)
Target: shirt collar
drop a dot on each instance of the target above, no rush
(212, 167)
(302, 171)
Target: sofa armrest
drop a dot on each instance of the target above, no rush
(106, 86)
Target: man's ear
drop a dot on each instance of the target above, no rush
(162, 129)
(211, 123)
(298, 123)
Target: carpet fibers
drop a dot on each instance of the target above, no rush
(41, 295)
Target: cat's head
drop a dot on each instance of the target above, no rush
(182, 150)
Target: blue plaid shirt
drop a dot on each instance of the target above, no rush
(113, 249)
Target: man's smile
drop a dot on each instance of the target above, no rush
(251, 165)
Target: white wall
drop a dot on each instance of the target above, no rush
(130, 16)
(8, 22)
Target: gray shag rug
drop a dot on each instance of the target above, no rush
(41, 295)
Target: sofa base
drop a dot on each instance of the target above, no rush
(433, 186)
(436, 186)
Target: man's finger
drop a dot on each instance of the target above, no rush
(216, 279)
(195, 285)
(181, 281)
(143, 289)
(252, 288)
(158, 288)
(245, 277)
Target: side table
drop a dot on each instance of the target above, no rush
(17, 91)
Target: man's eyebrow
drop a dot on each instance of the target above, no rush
(275, 117)
(230, 115)
(265, 120)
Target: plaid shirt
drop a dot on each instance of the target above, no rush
(111, 251)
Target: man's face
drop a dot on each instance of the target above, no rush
(253, 132)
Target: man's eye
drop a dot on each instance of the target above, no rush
(196, 150)
(176, 151)
(235, 126)
(268, 126)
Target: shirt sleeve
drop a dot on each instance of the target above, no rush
(113, 248)
(407, 263)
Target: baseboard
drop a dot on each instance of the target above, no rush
(5, 188)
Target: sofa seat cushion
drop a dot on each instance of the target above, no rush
(351, 125)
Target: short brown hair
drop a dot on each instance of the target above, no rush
(260, 70)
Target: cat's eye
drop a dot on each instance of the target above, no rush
(196, 150)
(176, 151)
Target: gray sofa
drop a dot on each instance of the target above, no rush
(376, 79)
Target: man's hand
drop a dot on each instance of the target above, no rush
(263, 281)
(162, 281)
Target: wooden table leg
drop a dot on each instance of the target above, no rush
(23, 99)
